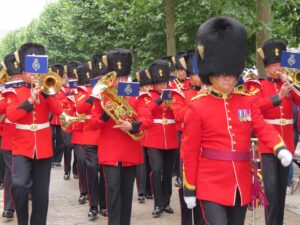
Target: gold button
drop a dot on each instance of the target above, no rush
(229, 118)
(282, 114)
(228, 111)
(232, 134)
(234, 142)
(230, 127)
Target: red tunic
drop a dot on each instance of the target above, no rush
(31, 143)
(61, 95)
(217, 123)
(84, 106)
(275, 111)
(162, 135)
(115, 145)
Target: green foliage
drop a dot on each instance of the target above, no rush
(76, 29)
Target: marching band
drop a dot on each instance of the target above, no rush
(188, 119)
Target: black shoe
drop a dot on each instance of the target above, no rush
(8, 213)
(67, 176)
(75, 176)
(141, 198)
(103, 212)
(168, 209)
(52, 164)
(1, 185)
(58, 164)
(93, 212)
(157, 212)
(149, 196)
(82, 199)
(178, 182)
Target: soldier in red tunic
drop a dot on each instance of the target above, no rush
(218, 125)
(29, 109)
(180, 103)
(57, 140)
(161, 138)
(118, 152)
(68, 106)
(276, 103)
(13, 69)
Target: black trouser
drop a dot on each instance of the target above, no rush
(216, 214)
(31, 175)
(119, 187)
(92, 169)
(275, 183)
(143, 175)
(1, 164)
(102, 189)
(81, 168)
(176, 169)
(186, 213)
(67, 150)
(57, 143)
(161, 162)
(8, 201)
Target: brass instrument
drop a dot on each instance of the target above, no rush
(50, 83)
(115, 106)
(293, 77)
(66, 120)
(4, 77)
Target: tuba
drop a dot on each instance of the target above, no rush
(50, 83)
(115, 106)
(66, 120)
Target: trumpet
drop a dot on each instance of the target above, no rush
(67, 120)
(115, 106)
(293, 78)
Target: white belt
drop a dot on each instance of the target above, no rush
(8, 121)
(164, 121)
(87, 117)
(32, 127)
(281, 122)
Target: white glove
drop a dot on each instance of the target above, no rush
(285, 157)
(190, 202)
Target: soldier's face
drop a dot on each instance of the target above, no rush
(223, 83)
(159, 87)
(195, 80)
(273, 70)
(181, 74)
(145, 88)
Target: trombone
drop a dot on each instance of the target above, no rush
(293, 78)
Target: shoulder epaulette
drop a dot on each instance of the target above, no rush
(198, 96)
(9, 90)
(71, 98)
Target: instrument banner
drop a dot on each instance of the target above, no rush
(290, 60)
(128, 89)
(36, 63)
(166, 94)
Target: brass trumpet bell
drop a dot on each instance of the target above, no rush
(50, 83)
(67, 120)
(103, 83)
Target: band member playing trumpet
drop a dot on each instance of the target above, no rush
(118, 149)
(275, 97)
(32, 146)
(218, 125)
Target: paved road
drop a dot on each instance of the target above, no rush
(64, 209)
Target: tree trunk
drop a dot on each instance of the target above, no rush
(170, 27)
(264, 18)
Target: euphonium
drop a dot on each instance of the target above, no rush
(66, 120)
(115, 106)
(50, 83)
